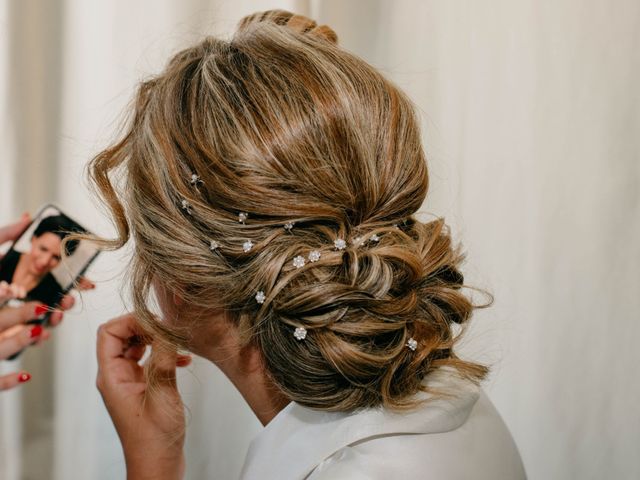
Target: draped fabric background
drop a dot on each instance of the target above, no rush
(531, 115)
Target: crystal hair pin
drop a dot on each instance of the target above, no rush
(298, 261)
(260, 297)
(242, 217)
(246, 246)
(213, 246)
(412, 344)
(195, 180)
(340, 244)
(300, 333)
(314, 256)
(288, 226)
(186, 206)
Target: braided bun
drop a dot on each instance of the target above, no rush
(296, 23)
(284, 125)
(360, 308)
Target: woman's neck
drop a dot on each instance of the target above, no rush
(245, 368)
(22, 276)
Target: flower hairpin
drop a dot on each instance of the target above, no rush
(288, 226)
(314, 256)
(260, 297)
(412, 344)
(242, 217)
(298, 261)
(195, 180)
(300, 333)
(374, 238)
(186, 206)
(213, 246)
(247, 246)
(340, 244)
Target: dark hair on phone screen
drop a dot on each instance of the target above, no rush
(62, 226)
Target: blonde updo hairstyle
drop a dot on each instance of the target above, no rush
(283, 124)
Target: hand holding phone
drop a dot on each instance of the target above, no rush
(35, 268)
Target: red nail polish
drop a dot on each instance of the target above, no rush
(24, 377)
(41, 309)
(36, 331)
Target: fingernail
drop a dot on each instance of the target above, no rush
(40, 310)
(36, 331)
(24, 377)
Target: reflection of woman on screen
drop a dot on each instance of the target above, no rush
(32, 269)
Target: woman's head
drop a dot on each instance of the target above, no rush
(46, 244)
(282, 124)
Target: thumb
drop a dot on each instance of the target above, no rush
(13, 231)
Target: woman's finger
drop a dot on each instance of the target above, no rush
(13, 379)
(85, 284)
(56, 318)
(67, 302)
(43, 337)
(115, 337)
(10, 316)
(135, 351)
(13, 231)
(183, 360)
(24, 337)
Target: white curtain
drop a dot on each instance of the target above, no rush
(531, 115)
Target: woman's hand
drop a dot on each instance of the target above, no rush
(148, 416)
(10, 291)
(15, 336)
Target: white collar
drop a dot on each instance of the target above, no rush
(299, 438)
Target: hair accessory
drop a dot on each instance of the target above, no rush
(289, 226)
(242, 217)
(300, 333)
(186, 206)
(260, 297)
(246, 246)
(357, 241)
(314, 256)
(213, 245)
(340, 244)
(195, 180)
(412, 344)
(374, 238)
(298, 261)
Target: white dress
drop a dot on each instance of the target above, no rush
(461, 438)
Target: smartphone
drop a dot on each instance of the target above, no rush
(36, 260)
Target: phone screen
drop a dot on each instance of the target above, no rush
(36, 261)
